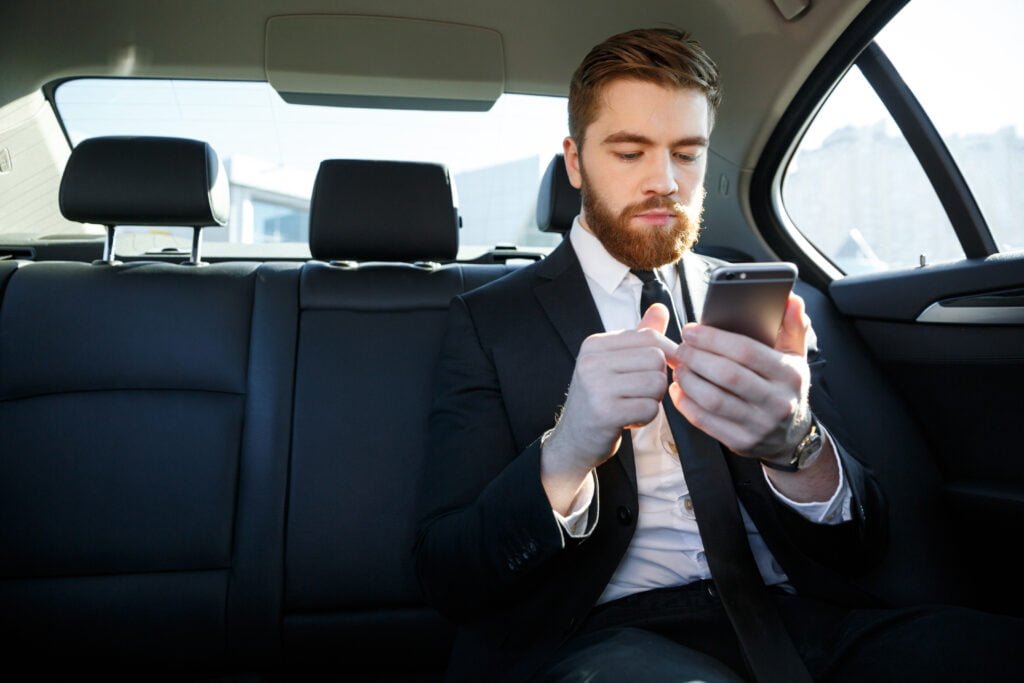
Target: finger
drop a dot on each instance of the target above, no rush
(655, 318)
(625, 339)
(733, 436)
(724, 372)
(637, 412)
(751, 354)
(717, 401)
(635, 359)
(792, 337)
(647, 384)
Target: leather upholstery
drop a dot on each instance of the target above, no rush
(558, 201)
(382, 211)
(144, 181)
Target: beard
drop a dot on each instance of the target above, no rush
(649, 247)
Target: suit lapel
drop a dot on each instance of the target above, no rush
(697, 272)
(565, 297)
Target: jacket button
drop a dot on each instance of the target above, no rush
(625, 514)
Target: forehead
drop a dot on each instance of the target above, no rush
(651, 109)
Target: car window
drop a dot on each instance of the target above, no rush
(856, 190)
(271, 151)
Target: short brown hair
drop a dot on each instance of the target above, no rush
(658, 55)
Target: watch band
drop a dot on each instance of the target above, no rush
(805, 453)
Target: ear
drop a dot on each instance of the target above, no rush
(571, 151)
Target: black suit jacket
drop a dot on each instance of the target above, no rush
(489, 553)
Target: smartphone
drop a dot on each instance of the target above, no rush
(749, 298)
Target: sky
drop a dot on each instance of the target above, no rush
(962, 60)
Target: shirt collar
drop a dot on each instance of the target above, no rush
(600, 266)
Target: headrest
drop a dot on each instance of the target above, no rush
(382, 211)
(558, 202)
(144, 181)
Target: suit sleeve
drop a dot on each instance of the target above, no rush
(854, 546)
(486, 528)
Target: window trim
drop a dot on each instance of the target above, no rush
(931, 151)
(766, 182)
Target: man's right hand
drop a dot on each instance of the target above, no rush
(619, 382)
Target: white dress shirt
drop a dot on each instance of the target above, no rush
(666, 549)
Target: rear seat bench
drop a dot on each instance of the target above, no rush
(216, 467)
(166, 425)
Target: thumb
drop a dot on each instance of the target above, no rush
(792, 337)
(656, 318)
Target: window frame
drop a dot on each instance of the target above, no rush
(856, 47)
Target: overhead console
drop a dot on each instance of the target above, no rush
(347, 60)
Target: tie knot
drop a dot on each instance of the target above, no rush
(646, 276)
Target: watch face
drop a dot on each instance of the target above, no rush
(809, 448)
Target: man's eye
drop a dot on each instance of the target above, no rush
(687, 158)
(628, 156)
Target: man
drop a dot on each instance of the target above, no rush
(559, 529)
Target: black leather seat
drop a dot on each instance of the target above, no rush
(373, 307)
(145, 411)
(558, 202)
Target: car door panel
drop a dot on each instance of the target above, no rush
(962, 382)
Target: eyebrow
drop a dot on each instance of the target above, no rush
(636, 138)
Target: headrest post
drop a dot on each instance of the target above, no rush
(197, 244)
(108, 247)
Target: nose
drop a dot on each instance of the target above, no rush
(660, 178)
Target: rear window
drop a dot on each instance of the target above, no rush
(271, 151)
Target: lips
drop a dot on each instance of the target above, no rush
(656, 217)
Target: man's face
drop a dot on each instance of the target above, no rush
(642, 174)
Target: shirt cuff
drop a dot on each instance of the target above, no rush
(836, 509)
(580, 523)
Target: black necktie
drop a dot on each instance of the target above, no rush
(769, 651)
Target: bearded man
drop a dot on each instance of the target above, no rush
(559, 527)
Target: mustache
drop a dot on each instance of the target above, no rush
(654, 203)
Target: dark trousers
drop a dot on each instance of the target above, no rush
(683, 634)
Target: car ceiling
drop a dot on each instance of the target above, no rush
(763, 57)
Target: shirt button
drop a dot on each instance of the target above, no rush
(671, 446)
(688, 503)
(702, 557)
(625, 514)
(830, 516)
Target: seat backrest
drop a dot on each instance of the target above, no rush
(146, 415)
(369, 335)
(558, 201)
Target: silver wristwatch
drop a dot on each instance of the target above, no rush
(806, 452)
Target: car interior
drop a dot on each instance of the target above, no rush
(211, 453)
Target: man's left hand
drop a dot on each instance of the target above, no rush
(749, 396)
